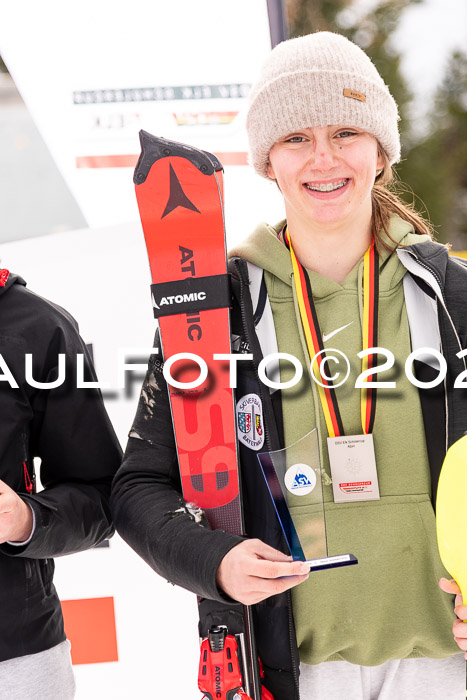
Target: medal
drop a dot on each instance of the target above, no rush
(352, 458)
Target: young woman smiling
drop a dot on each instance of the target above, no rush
(326, 175)
(323, 125)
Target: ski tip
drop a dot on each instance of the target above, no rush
(154, 148)
(217, 165)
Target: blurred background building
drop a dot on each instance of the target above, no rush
(34, 198)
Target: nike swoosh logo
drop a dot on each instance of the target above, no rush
(338, 330)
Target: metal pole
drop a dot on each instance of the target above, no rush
(277, 21)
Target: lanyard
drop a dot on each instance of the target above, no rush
(315, 345)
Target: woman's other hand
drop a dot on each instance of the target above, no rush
(459, 627)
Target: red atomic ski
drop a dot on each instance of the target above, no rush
(180, 199)
(179, 193)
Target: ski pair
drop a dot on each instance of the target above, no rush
(179, 190)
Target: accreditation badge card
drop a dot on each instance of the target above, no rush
(353, 468)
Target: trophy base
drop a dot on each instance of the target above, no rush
(331, 562)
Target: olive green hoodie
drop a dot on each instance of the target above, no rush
(389, 606)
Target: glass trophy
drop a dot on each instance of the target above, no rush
(293, 477)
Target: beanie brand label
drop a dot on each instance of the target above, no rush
(354, 94)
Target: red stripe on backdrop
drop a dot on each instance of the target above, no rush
(90, 627)
(123, 161)
(129, 160)
(233, 158)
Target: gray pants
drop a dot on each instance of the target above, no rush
(406, 679)
(47, 675)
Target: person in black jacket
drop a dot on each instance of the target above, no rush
(68, 429)
(323, 125)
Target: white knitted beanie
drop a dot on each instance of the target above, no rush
(321, 79)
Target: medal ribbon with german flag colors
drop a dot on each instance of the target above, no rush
(370, 333)
(315, 345)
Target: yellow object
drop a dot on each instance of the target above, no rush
(451, 513)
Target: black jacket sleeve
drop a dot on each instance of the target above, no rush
(72, 435)
(150, 513)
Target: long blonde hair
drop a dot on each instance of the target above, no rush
(385, 201)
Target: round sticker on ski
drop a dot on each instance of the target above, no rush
(250, 428)
(300, 479)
